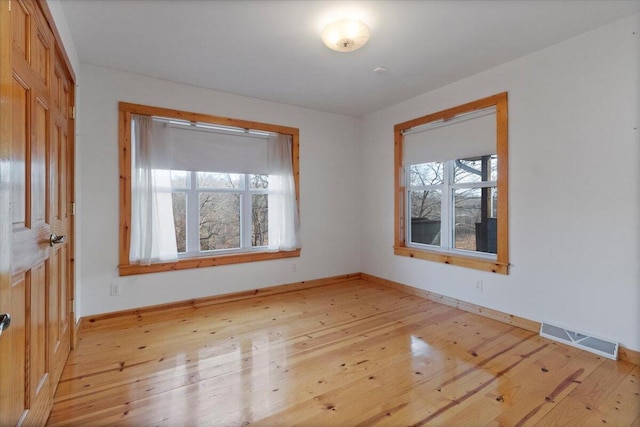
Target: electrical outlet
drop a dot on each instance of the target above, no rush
(115, 289)
(294, 267)
(479, 285)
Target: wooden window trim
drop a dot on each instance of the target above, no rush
(124, 148)
(501, 263)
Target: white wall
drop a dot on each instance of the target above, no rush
(574, 187)
(329, 192)
(65, 34)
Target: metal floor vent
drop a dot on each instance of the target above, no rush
(595, 345)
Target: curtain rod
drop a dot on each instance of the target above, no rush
(212, 128)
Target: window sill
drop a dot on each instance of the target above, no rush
(189, 263)
(477, 263)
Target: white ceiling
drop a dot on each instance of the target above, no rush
(272, 49)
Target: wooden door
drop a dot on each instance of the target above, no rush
(59, 207)
(35, 281)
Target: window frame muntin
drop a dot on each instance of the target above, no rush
(501, 263)
(125, 110)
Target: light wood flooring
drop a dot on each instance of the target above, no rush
(349, 354)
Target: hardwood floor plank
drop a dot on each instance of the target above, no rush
(352, 353)
(609, 396)
(536, 392)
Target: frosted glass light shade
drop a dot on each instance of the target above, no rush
(345, 35)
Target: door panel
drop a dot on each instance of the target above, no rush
(38, 165)
(63, 306)
(10, 415)
(58, 319)
(54, 301)
(38, 372)
(20, 130)
(21, 29)
(42, 54)
(65, 102)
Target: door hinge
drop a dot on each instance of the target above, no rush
(73, 208)
(9, 5)
(72, 112)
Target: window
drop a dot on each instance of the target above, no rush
(200, 190)
(451, 186)
(229, 212)
(452, 204)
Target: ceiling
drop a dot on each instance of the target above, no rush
(272, 49)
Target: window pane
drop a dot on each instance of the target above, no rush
(259, 181)
(219, 221)
(260, 220)
(476, 169)
(427, 174)
(475, 219)
(180, 219)
(161, 179)
(219, 180)
(425, 216)
(180, 179)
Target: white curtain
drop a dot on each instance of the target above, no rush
(283, 209)
(152, 228)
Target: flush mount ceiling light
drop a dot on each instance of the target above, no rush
(345, 35)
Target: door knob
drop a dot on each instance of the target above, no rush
(55, 239)
(5, 321)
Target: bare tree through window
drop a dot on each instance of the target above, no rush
(259, 210)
